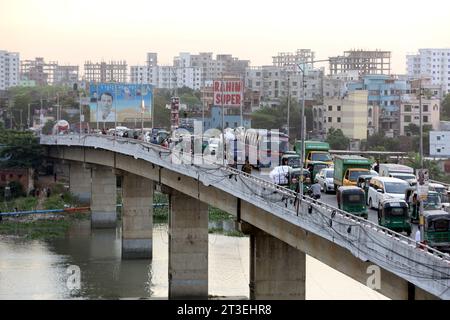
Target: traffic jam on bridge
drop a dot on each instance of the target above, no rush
(390, 194)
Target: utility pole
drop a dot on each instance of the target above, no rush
(223, 122)
(302, 121)
(29, 123)
(421, 222)
(288, 105)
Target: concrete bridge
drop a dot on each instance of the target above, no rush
(283, 226)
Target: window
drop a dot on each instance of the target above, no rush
(330, 108)
(407, 119)
(425, 119)
(339, 119)
(330, 119)
(425, 108)
(338, 108)
(407, 108)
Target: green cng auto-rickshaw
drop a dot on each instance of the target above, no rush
(393, 214)
(295, 178)
(315, 167)
(363, 182)
(433, 202)
(437, 229)
(292, 160)
(352, 200)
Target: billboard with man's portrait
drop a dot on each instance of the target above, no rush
(121, 102)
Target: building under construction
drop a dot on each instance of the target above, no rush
(38, 70)
(114, 71)
(285, 59)
(366, 62)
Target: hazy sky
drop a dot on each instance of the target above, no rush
(72, 31)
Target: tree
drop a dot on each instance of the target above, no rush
(445, 108)
(161, 114)
(337, 139)
(276, 118)
(48, 127)
(434, 171)
(20, 149)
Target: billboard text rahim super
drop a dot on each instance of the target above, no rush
(130, 101)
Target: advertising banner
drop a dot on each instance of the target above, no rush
(228, 93)
(422, 183)
(130, 101)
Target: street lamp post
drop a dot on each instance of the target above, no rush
(302, 120)
(288, 106)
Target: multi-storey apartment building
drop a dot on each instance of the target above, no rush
(384, 100)
(348, 113)
(276, 83)
(9, 69)
(432, 63)
(410, 112)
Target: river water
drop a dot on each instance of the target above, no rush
(39, 269)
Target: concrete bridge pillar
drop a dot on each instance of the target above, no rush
(137, 217)
(80, 181)
(188, 247)
(103, 198)
(277, 270)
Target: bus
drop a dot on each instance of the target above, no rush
(264, 146)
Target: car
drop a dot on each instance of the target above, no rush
(408, 177)
(325, 179)
(382, 188)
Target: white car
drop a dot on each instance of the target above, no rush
(325, 179)
(408, 177)
(382, 188)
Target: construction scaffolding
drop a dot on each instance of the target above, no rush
(366, 62)
(114, 71)
(38, 70)
(284, 59)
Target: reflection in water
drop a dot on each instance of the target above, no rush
(37, 269)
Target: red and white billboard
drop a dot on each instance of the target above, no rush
(228, 93)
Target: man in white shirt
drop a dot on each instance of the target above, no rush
(105, 105)
(418, 238)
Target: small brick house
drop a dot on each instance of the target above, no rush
(22, 175)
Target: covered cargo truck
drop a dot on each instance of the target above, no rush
(347, 169)
(315, 151)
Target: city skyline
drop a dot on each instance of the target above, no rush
(72, 32)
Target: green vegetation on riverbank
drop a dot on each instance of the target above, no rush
(45, 229)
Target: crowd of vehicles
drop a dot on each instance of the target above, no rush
(391, 191)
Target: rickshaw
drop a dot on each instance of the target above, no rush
(292, 160)
(437, 229)
(352, 200)
(433, 202)
(393, 214)
(315, 167)
(294, 179)
(363, 182)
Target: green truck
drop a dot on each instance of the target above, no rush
(315, 151)
(347, 169)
